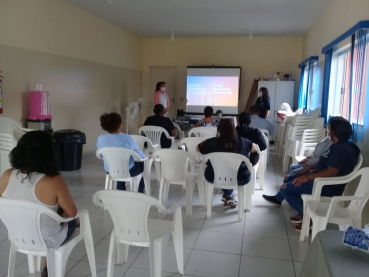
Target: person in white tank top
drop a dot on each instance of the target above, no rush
(35, 178)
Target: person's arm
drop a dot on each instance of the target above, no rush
(156, 98)
(329, 172)
(168, 101)
(253, 148)
(173, 133)
(267, 108)
(64, 198)
(260, 140)
(267, 114)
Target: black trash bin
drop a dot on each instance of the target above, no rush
(68, 145)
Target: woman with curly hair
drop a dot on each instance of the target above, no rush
(35, 178)
(112, 123)
(228, 141)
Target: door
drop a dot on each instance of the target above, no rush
(169, 76)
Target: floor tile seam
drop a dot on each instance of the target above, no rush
(265, 237)
(290, 260)
(221, 232)
(213, 251)
(85, 176)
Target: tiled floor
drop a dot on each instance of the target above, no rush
(264, 244)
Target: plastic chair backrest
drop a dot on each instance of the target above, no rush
(191, 144)
(9, 126)
(306, 148)
(313, 135)
(203, 132)
(226, 167)
(362, 190)
(317, 123)
(141, 140)
(129, 211)
(174, 163)
(153, 133)
(6, 145)
(117, 159)
(179, 130)
(287, 120)
(22, 219)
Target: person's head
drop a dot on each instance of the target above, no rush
(339, 129)
(228, 135)
(35, 153)
(158, 109)
(161, 86)
(254, 110)
(208, 111)
(244, 119)
(264, 93)
(111, 122)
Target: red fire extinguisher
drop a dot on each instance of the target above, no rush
(1, 94)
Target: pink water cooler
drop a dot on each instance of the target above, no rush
(39, 118)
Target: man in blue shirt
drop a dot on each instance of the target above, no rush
(112, 123)
(339, 160)
(258, 122)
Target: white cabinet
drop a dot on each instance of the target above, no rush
(279, 92)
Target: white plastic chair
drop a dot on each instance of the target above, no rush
(225, 166)
(180, 133)
(154, 134)
(134, 228)
(174, 164)
(6, 145)
(306, 149)
(322, 213)
(22, 219)
(267, 150)
(117, 159)
(282, 128)
(190, 145)
(293, 146)
(259, 170)
(204, 132)
(9, 126)
(315, 196)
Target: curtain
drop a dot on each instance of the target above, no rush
(302, 91)
(358, 82)
(326, 79)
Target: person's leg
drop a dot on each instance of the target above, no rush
(136, 170)
(227, 192)
(294, 168)
(292, 194)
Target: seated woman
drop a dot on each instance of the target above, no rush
(339, 160)
(208, 120)
(228, 141)
(253, 134)
(35, 178)
(112, 123)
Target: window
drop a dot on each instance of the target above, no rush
(346, 75)
(308, 84)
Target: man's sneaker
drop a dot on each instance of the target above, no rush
(299, 226)
(231, 202)
(296, 219)
(272, 200)
(224, 199)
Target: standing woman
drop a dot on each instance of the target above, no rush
(263, 102)
(161, 97)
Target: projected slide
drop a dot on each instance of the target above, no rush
(212, 91)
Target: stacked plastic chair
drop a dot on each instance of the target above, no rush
(301, 134)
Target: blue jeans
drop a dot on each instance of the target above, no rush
(72, 225)
(134, 171)
(295, 167)
(292, 194)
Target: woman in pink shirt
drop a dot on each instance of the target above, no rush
(161, 97)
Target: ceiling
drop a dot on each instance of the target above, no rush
(191, 18)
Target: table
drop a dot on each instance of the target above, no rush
(328, 256)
